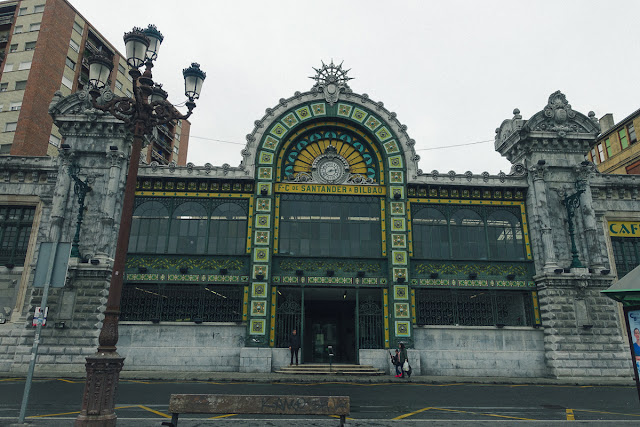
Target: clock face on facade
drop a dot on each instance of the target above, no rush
(331, 170)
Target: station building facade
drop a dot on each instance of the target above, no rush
(328, 226)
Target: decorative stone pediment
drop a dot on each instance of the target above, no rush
(559, 117)
(556, 129)
(75, 115)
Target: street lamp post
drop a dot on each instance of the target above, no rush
(572, 203)
(146, 110)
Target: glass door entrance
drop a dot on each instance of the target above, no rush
(330, 320)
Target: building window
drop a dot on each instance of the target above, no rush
(54, 140)
(34, 27)
(601, 152)
(4, 87)
(10, 127)
(21, 85)
(22, 11)
(15, 230)
(624, 141)
(73, 45)
(607, 144)
(593, 155)
(38, 8)
(1, 108)
(228, 230)
(129, 93)
(470, 233)
(24, 66)
(335, 226)
(77, 28)
(67, 82)
(70, 63)
(15, 106)
(7, 68)
(188, 229)
(17, 29)
(13, 48)
(626, 252)
(29, 45)
(149, 228)
(121, 69)
(632, 133)
(118, 85)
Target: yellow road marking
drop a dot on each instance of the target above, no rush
(222, 416)
(488, 415)
(610, 413)
(12, 379)
(570, 416)
(136, 381)
(53, 415)
(68, 381)
(154, 411)
(411, 413)
(71, 413)
(338, 416)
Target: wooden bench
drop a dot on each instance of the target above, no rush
(252, 404)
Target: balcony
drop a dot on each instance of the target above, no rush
(6, 19)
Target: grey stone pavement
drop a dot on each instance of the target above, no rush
(275, 421)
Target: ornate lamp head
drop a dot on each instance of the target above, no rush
(193, 79)
(155, 39)
(100, 66)
(136, 45)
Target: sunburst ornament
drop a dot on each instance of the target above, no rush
(331, 80)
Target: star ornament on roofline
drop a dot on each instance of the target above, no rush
(331, 80)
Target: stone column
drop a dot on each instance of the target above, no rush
(114, 184)
(542, 209)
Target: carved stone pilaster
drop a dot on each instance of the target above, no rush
(542, 211)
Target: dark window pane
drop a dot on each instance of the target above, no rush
(330, 226)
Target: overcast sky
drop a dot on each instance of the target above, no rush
(451, 70)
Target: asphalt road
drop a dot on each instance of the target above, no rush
(56, 402)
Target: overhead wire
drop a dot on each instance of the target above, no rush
(419, 149)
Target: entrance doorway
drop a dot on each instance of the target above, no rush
(330, 320)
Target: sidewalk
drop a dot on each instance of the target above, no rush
(296, 378)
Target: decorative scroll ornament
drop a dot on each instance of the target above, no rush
(331, 80)
(558, 113)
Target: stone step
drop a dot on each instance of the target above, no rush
(325, 369)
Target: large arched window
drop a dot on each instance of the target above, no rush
(228, 230)
(468, 239)
(188, 229)
(505, 236)
(149, 228)
(431, 234)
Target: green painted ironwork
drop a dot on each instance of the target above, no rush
(288, 316)
(200, 263)
(80, 189)
(572, 203)
(370, 323)
(473, 307)
(181, 303)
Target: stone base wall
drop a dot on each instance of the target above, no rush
(583, 336)
(380, 359)
(480, 351)
(187, 347)
(62, 348)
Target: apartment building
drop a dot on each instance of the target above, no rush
(45, 46)
(616, 150)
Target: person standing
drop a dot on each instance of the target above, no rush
(403, 358)
(395, 359)
(294, 345)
